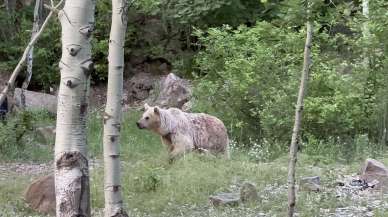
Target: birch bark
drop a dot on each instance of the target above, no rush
(365, 30)
(113, 111)
(298, 120)
(35, 28)
(71, 162)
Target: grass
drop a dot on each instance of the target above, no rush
(154, 188)
(19, 140)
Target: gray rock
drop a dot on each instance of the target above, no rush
(245, 194)
(36, 100)
(165, 91)
(40, 195)
(375, 173)
(248, 192)
(312, 183)
(222, 199)
(174, 92)
(140, 85)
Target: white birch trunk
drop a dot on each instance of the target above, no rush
(35, 28)
(113, 111)
(365, 12)
(71, 163)
(365, 30)
(298, 121)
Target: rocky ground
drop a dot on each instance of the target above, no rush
(32, 169)
(350, 193)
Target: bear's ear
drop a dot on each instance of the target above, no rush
(157, 110)
(146, 106)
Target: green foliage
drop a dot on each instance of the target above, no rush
(17, 135)
(246, 77)
(249, 77)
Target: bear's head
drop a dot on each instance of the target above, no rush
(150, 118)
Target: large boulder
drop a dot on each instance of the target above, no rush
(36, 100)
(40, 195)
(248, 192)
(165, 91)
(140, 85)
(174, 92)
(375, 172)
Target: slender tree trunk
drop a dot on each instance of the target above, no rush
(365, 12)
(71, 162)
(38, 11)
(113, 111)
(365, 30)
(298, 120)
(10, 5)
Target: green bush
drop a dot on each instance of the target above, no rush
(17, 135)
(248, 77)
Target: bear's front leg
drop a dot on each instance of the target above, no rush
(178, 151)
(181, 145)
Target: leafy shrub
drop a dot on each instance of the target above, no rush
(249, 77)
(17, 135)
(246, 76)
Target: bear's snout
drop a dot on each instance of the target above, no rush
(139, 125)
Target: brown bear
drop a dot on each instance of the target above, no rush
(183, 132)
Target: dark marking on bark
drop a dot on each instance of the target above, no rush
(117, 126)
(77, 193)
(83, 108)
(87, 30)
(116, 188)
(84, 208)
(69, 159)
(87, 67)
(69, 83)
(114, 156)
(74, 49)
(113, 138)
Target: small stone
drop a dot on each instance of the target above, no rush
(248, 192)
(223, 199)
(310, 183)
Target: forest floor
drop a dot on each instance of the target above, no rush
(154, 188)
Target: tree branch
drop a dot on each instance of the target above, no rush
(9, 85)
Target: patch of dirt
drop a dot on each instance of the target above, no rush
(34, 169)
(23, 169)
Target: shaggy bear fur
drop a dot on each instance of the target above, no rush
(183, 132)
